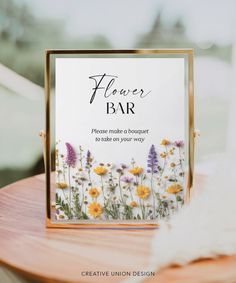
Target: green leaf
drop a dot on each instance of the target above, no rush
(84, 216)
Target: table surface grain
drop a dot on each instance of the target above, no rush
(60, 255)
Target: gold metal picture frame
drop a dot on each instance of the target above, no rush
(52, 54)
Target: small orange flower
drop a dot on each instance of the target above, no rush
(133, 204)
(94, 209)
(136, 171)
(93, 192)
(164, 142)
(142, 192)
(172, 164)
(100, 170)
(174, 189)
(61, 185)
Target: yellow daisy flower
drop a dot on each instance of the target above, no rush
(174, 189)
(93, 192)
(61, 185)
(164, 142)
(142, 192)
(133, 204)
(136, 171)
(100, 170)
(94, 209)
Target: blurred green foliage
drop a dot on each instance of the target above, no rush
(174, 36)
(24, 38)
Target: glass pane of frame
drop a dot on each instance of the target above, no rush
(119, 135)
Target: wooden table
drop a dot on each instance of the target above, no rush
(61, 255)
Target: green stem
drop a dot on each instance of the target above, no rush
(80, 157)
(144, 210)
(141, 207)
(153, 196)
(121, 195)
(69, 183)
(131, 195)
(82, 201)
(180, 160)
(64, 174)
(177, 205)
(89, 177)
(102, 186)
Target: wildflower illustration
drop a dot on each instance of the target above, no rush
(152, 169)
(94, 209)
(89, 190)
(71, 155)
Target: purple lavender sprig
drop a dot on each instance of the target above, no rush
(71, 155)
(152, 160)
(88, 158)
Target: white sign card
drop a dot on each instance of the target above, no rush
(120, 130)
